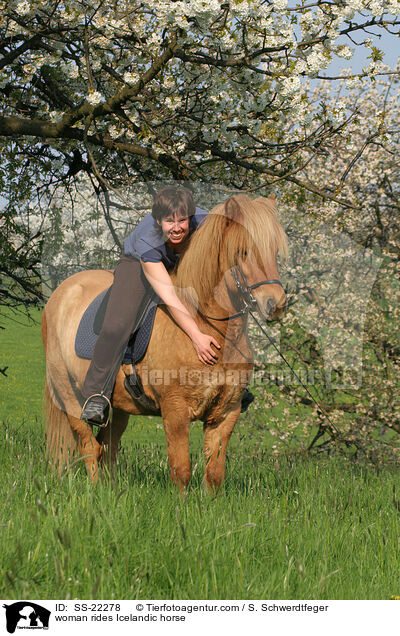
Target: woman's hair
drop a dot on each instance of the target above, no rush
(171, 201)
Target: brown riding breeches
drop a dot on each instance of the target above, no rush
(129, 292)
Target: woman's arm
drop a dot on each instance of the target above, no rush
(161, 282)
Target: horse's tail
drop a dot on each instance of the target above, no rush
(62, 441)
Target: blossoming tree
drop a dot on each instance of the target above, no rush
(111, 94)
(342, 334)
(192, 89)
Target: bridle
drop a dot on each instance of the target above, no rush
(245, 291)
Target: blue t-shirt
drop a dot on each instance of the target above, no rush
(146, 243)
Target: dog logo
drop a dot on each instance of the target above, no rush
(26, 615)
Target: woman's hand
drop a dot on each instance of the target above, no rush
(202, 343)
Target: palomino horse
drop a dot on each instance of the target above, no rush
(229, 263)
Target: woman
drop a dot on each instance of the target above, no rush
(150, 252)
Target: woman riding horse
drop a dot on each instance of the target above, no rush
(150, 252)
(229, 267)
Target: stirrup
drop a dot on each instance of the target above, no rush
(108, 407)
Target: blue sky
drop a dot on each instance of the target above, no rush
(389, 44)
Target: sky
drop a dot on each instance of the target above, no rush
(389, 44)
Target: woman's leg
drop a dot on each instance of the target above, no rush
(126, 298)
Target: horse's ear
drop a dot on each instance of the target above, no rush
(272, 198)
(232, 209)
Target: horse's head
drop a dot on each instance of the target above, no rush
(253, 238)
(236, 249)
(259, 287)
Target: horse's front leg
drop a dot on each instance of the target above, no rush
(176, 421)
(216, 438)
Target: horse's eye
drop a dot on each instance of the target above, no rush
(242, 254)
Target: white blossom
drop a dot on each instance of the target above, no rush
(317, 61)
(131, 78)
(96, 65)
(94, 98)
(241, 7)
(393, 7)
(356, 5)
(377, 8)
(280, 5)
(301, 66)
(180, 146)
(290, 86)
(73, 71)
(55, 116)
(23, 8)
(172, 102)
(345, 52)
(114, 132)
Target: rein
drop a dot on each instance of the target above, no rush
(249, 305)
(321, 410)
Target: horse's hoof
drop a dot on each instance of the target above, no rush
(247, 399)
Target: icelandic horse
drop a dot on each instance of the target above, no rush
(231, 258)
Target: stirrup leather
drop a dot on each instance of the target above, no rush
(134, 386)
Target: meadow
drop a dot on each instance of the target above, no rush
(284, 526)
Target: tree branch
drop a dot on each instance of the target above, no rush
(121, 97)
(10, 57)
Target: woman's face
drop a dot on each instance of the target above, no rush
(175, 229)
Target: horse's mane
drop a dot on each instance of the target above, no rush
(237, 227)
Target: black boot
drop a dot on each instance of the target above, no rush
(247, 399)
(96, 410)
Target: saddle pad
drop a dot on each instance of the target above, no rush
(86, 337)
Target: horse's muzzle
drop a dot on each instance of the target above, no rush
(272, 309)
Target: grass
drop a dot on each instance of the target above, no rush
(287, 527)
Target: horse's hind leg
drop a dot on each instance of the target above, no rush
(89, 447)
(61, 441)
(216, 438)
(110, 436)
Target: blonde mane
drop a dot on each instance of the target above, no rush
(232, 229)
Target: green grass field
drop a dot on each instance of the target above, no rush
(291, 526)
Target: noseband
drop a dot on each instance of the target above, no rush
(245, 291)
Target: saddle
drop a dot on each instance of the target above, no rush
(88, 332)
